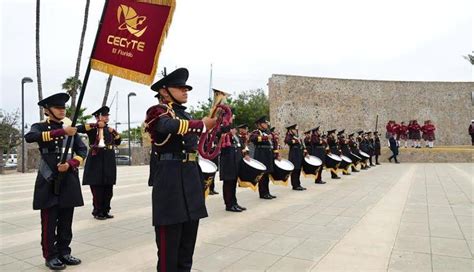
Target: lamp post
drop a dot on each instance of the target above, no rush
(129, 139)
(23, 81)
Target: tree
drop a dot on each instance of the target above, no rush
(38, 63)
(9, 134)
(75, 83)
(470, 58)
(81, 119)
(247, 107)
(135, 134)
(107, 90)
(71, 85)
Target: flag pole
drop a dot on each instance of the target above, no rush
(57, 182)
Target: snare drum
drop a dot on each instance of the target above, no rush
(208, 169)
(364, 155)
(346, 162)
(281, 172)
(250, 172)
(332, 161)
(311, 165)
(355, 159)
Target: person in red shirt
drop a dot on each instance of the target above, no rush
(430, 133)
(414, 131)
(471, 131)
(424, 133)
(402, 134)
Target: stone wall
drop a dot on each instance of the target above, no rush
(354, 104)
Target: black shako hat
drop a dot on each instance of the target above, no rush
(243, 126)
(177, 78)
(360, 132)
(341, 132)
(56, 100)
(272, 129)
(102, 111)
(262, 119)
(291, 127)
(331, 131)
(350, 135)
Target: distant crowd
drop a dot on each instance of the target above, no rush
(412, 134)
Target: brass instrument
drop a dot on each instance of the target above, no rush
(100, 133)
(206, 146)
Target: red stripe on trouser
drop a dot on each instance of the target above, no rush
(44, 222)
(162, 248)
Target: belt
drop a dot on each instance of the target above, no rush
(58, 150)
(184, 157)
(106, 147)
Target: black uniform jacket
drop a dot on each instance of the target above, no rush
(50, 137)
(100, 168)
(177, 194)
(265, 151)
(295, 154)
(319, 147)
(230, 158)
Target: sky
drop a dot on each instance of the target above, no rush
(246, 42)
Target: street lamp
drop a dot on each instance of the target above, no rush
(129, 146)
(23, 81)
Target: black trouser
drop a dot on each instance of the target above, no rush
(353, 167)
(229, 188)
(176, 246)
(101, 197)
(295, 178)
(376, 158)
(472, 139)
(370, 160)
(333, 173)
(320, 174)
(394, 156)
(263, 187)
(56, 232)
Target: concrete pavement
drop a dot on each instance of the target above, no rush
(405, 217)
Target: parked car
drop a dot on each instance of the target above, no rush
(122, 159)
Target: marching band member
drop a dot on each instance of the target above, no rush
(296, 155)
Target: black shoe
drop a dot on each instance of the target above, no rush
(266, 197)
(55, 264)
(299, 188)
(355, 171)
(336, 177)
(109, 216)
(346, 174)
(272, 196)
(377, 163)
(100, 217)
(233, 209)
(69, 259)
(320, 182)
(397, 162)
(372, 164)
(389, 159)
(213, 192)
(240, 207)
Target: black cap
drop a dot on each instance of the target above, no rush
(56, 100)
(331, 131)
(341, 132)
(262, 119)
(350, 135)
(177, 78)
(308, 131)
(315, 129)
(272, 129)
(243, 126)
(360, 132)
(291, 127)
(102, 111)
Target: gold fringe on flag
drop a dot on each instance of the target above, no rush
(279, 182)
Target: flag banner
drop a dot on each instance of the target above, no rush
(130, 38)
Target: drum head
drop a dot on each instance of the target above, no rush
(313, 160)
(346, 159)
(207, 166)
(284, 164)
(334, 157)
(355, 156)
(256, 164)
(364, 154)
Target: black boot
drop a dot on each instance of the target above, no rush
(69, 259)
(55, 264)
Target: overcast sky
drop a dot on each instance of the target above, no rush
(246, 41)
